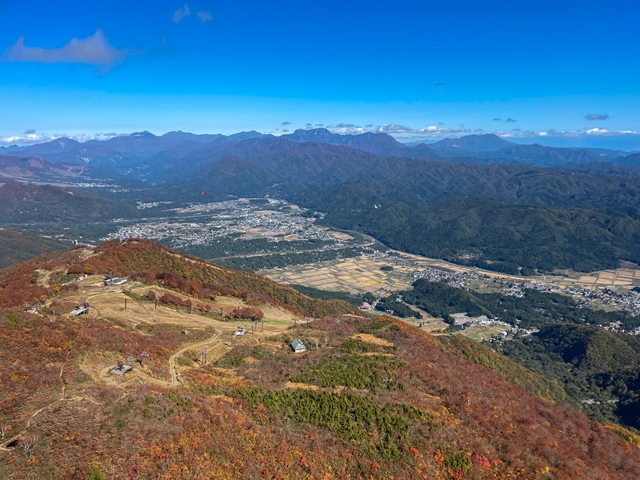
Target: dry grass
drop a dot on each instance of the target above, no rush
(368, 338)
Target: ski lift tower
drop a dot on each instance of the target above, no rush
(143, 356)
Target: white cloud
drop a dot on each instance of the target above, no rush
(393, 128)
(349, 130)
(204, 16)
(26, 139)
(597, 131)
(94, 50)
(181, 13)
(33, 138)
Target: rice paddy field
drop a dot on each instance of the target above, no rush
(353, 275)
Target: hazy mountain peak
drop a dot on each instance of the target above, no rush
(488, 142)
(143, 134)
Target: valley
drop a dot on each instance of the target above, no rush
(480, 257)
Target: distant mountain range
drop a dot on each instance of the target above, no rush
(145, 156)
(34, 169)
(347, 176)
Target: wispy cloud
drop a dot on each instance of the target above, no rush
(429, 131)
(596, 116)
(497, 119)
(181, 13)
(205, 16)
(30, 137)
(285, 123)
(552, 132)
(511, 120)
(347, 129)
(94, 50)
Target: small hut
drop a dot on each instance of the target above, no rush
(298, 346)
(121, 369)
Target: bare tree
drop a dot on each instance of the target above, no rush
(3, 430)
(29, 446)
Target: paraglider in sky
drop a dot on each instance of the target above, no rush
(203, 193)
(437, 85)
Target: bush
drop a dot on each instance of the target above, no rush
(380, 430)
(95, 473)
(249, 313)
(351, 371)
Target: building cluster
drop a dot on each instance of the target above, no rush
(621, 299)
(516, 289)
(455, 279)
(462, 320)
(207, 223)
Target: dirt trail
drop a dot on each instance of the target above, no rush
(172, 359)
(61, 399)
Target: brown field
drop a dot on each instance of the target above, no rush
(353, 275)
(482, 332)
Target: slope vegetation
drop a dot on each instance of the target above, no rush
(377, 398)
(20, 203)
(155, 264)
(501, 237)
(17, 246)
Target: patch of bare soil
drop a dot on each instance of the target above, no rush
(368, 338)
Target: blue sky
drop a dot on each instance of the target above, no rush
(531, 71)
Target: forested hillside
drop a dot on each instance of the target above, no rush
(495, 236)
(21, 203)
(17, 246)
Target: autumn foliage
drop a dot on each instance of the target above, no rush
(151, 263)
(248, 313)
(368, 399)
